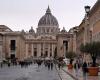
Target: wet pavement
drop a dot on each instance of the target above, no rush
(30, 73)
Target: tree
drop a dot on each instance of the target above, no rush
(70, 55)
(92, 48)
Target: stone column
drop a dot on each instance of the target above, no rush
(26, 55)
(32, 50)
(38, 50)
(49, 49)
(43, 48)
(52, 50)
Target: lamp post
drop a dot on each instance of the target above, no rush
(86, 28)
(87, 9)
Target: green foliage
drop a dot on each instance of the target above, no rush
(70, 55)
(82, 48)
(92, 48)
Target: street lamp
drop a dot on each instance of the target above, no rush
(87, 9)
(86, 28)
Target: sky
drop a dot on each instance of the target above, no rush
(22, 14)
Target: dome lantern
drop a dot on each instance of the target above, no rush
(48, 11)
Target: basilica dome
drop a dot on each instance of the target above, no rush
(48, 19)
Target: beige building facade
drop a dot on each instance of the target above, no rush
(47, 41)
(89, 29)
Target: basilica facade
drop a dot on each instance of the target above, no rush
(47, 41)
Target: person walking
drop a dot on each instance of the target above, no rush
(59, 65)
(76, 67)
(85, 70)
(51, 65)
(48, 64)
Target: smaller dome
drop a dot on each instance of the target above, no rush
(23, 32)
(31, 30)
(63, 30)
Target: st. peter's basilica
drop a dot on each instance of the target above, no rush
(47, 41)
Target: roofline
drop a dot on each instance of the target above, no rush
(94, 8)
(92, 11)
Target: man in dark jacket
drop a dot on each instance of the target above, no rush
(76, 67)
(85, 70)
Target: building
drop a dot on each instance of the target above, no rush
(47, 41)
(89, 29)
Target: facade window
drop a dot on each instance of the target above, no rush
(50, 54)
(35, 53)
(47, 30)
(29, 48)
(13, 44)
(41, 54)
(44, 30)
(90, 35)
(41, 47)
(46, 53)
(65, 44)
(35, 49)
(51, 30)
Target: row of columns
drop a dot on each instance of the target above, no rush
(40, 48)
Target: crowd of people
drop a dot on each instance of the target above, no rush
(47, 63)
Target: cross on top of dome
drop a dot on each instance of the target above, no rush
(48, 10)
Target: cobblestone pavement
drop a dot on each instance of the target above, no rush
(80, 75)
(31, 73)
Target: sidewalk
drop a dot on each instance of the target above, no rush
(80, 75)
(62, 74)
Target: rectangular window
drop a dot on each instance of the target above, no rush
(13, 44)
(65, 44)
(46, 53)
(35, 53)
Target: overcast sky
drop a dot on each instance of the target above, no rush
(22, 14)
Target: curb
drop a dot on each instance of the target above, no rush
(58, 73)
(74, 77)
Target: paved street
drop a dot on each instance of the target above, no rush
(30, 73)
